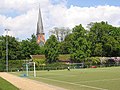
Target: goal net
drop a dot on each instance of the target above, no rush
(77, 65)
(29, 69)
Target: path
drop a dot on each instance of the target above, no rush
(27, 84)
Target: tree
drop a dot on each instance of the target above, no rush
(51, 49)
(2, 47)
(66, 45)
(25, 48)
(13, 48)
(106, 38)
(80, 46)
(30, 47)
(35, 48)
(98, 49)
(60, 33)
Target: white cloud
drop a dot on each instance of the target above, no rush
(85, 15)
(22, 5)
(24, 24)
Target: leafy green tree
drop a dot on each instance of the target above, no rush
(111, 46)
(52, 49)
(115, 33)
(98, 49)
(2, 47)
(30, 47)
(19, 50)
(80, 46)
(63, 48)
(2, 65)
(14, 52)
(13, 48)
(26, 52)
(105, 39)
(68, 43)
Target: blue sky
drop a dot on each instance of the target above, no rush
(79, 3)
(20, 16)
(88, 3)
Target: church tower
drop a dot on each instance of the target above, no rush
(40, 32)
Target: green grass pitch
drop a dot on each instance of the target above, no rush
(5, 85)
(81, 79)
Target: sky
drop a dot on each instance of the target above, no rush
(20, 16)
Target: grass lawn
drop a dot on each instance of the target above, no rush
(81, 79)
(4, 85)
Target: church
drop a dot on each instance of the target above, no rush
(40, 31)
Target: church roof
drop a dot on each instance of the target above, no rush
(39, 23)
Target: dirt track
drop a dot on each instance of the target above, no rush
(27, 84)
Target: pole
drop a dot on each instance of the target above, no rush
(7, 49)
(27, 69)
(34, 70)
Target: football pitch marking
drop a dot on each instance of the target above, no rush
(99, 80)
(82, 85)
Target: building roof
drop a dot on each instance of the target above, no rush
(61, 57)
(37, 56)
(39, 23)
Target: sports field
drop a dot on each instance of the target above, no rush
(5, 85)
(81, 79)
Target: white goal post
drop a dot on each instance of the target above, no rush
(78, 65)
(34, 73)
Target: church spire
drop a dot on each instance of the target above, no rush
(39, 23)
(40, 31)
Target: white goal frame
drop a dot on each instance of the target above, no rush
(34, 73)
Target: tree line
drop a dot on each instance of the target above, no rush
(100, 39)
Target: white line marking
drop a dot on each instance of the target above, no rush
(99, 80)
(74, 84)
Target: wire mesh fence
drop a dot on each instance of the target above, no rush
(57, 66)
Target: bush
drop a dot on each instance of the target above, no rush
(2, 65)
(53, 66)
(92, 61)
(14, 65)
(39, 62)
